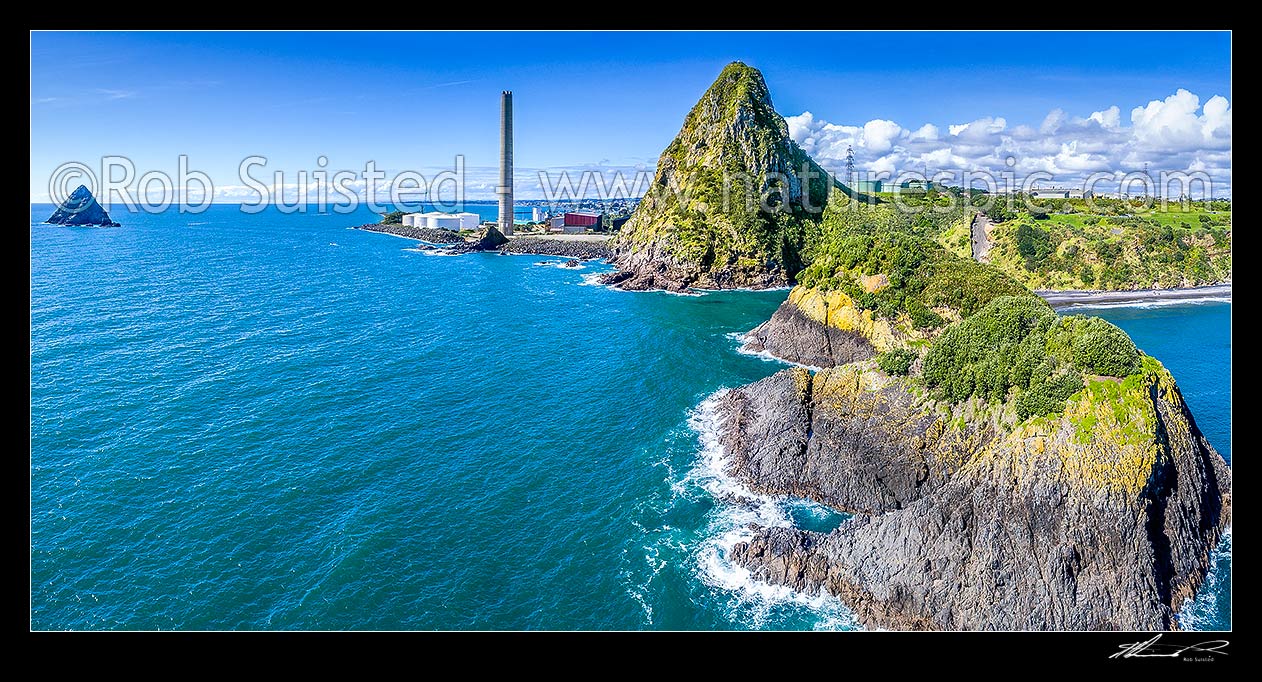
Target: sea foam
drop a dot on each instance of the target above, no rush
(736, 508)
(766, 356)
(1202, 612)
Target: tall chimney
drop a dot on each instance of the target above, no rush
(505, 189)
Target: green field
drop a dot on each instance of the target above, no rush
(1107, 244)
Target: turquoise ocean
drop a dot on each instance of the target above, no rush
(273, 422)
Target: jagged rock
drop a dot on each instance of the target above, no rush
(81, 209)
(791, 335)
(491, 239)
(689, 230)
(825, 329)
(842, 438)
(1094, 520)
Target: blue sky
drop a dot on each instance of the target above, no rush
(415, 100)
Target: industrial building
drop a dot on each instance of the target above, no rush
(1058, 193)
(443, 221)
(580, 221)
(868, 186)
(574, 222)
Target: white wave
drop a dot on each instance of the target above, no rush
(764, 355)
(738, 507)
(787, 287)
(689, 292)
(1201, 612)
(1157, 303)
(560, 264)
(592, 279)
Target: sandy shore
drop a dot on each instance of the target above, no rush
(1063, 299)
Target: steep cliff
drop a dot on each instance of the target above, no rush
(1032, 471)
(1096, 519)
(732, 199)
(855, 440)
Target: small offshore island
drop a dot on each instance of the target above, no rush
(1003, 467)
(81, 209)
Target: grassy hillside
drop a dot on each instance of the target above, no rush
(885, 261)
(1115, 245)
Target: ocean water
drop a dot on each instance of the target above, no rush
(273, 422)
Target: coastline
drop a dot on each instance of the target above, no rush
(579, 246)
(1071, 297)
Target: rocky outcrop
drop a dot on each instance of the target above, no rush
(730, 199)
(491, 239)
(846, 438)
(823, 329)
(81, 209)
(1100, 518)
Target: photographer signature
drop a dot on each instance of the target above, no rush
(1151, 649)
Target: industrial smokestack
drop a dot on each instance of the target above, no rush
(505, 189)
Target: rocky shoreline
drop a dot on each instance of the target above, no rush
(424, 234)
(651, 269)
(581, 250)
(491, 240)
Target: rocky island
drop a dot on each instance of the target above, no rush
(81, 209)
(1003, 467)
(732, 201)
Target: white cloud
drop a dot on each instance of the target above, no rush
(879, 135)
(1109, 118)
(1053, 121)
(927, 131)
(1177, 133)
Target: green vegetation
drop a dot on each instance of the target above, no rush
(1093, 345)
(708, 206)
(1016, 343)
(393, 217)
(897, 361)
(1110, 243)
(856, 241)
